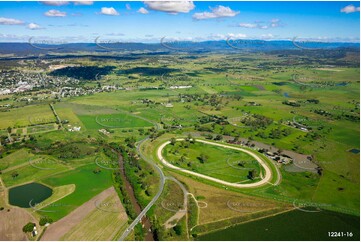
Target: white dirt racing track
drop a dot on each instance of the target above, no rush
(266, 178)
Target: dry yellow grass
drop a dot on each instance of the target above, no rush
(217, 204)
(102, 223)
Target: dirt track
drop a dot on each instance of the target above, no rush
(266, 179)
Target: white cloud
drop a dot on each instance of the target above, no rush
(34, 26)
(109, 11)
(171, 7)
(128, 7)
(350, 9)
(83, 2)
(274, 23)
(143, 11)
(248, 25)
(55, 3)
(217, 12)
(55, 13)
(10, 21)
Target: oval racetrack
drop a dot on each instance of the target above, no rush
(266, 179)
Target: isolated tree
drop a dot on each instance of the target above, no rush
(178, 229)
(203, 158)
(29, 227)
(14, 174)
(182, 159)
(251, 174)
(173, 141)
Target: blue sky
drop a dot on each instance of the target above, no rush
(196, 21)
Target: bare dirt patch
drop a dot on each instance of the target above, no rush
(10, 228)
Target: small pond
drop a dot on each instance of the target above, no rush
(22, 195)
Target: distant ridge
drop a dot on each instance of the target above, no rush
(30, 49)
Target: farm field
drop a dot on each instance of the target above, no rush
(274, 227)
(31, 115)
(233, 136)
(87, 184)
(113, 121)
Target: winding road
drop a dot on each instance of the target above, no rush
(155, 198)
(266, 179)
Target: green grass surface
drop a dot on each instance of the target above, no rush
(87, 185)
(113, 121)
(222, 163)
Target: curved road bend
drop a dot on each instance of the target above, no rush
(264, 181)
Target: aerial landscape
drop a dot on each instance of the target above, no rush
(179, 121)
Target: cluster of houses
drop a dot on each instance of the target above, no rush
(280, 158)
(17, 81)
(276, 156)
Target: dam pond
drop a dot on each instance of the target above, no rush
(293, 225)
(22, 195)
